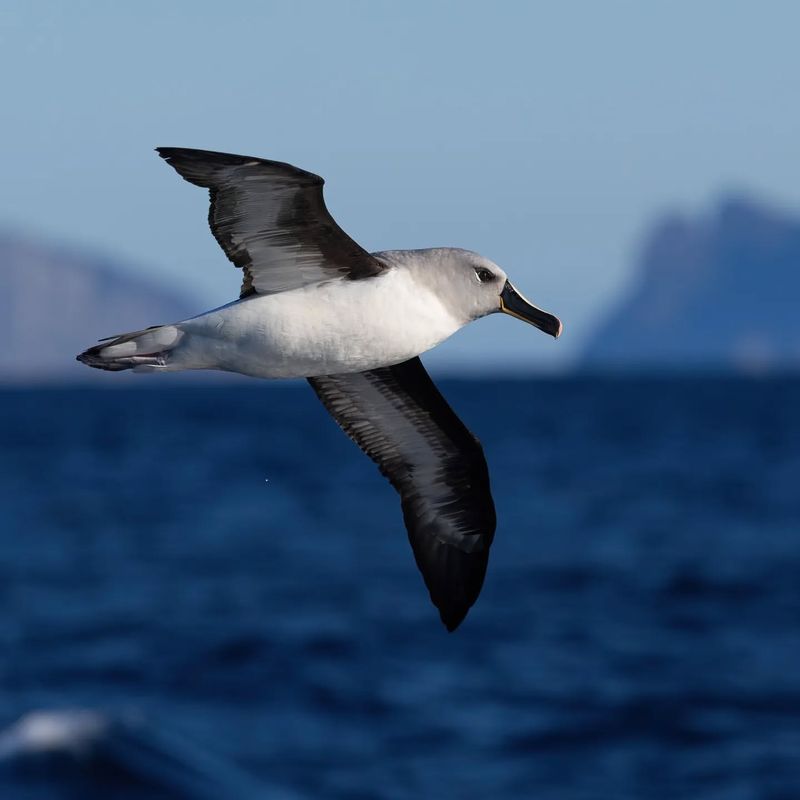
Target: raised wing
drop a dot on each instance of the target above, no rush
(397, 416)
(270, 219)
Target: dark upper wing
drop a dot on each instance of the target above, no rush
(397, 416)
(271, 220)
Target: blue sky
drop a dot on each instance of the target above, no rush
(544, 135)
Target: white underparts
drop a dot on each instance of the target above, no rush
(334, 327)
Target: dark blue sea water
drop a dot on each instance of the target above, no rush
(222, 579)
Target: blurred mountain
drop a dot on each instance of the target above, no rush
(56, 301)
(721, 291)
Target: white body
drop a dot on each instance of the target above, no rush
(324, 329)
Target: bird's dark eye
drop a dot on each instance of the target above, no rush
(484, 275)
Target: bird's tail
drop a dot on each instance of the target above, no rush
(145, 350)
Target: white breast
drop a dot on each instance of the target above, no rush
(334, 327)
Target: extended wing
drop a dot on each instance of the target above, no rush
(270, 219)
(399, 419)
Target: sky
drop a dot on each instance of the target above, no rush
(546, 136)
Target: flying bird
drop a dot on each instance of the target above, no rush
(316, 305)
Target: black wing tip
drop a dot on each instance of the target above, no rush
(454, 579)
(453, 610)
(452, 621)
(187, 157)
(199, 162)
(196, 154)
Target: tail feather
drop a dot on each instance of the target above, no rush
(146, 349)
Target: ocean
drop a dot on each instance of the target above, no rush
(207, 591)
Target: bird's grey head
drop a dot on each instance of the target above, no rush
(470, 285)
